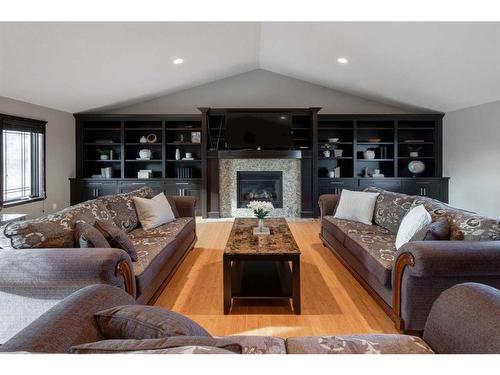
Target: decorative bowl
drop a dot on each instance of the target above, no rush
(374, 140)
(333, 140)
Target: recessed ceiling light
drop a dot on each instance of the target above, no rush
(342, 60)
(178, 61)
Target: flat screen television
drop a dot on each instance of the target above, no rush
(253, 130)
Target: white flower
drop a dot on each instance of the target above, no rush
(260, 208)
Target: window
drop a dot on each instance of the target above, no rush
(23, 160)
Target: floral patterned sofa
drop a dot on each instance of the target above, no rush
(463, 320)
(407, 281)
(41, 264)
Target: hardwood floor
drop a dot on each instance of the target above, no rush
(333, 302)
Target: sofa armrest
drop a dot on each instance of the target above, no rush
(328, 203)
(70, 322)
(424, 269)
(452, 258)
(72, 267)
(186, 206)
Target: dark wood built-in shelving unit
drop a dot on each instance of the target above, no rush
(391, 137)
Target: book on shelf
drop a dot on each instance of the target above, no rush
(184, 172)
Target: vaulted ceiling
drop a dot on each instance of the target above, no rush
(80, 66)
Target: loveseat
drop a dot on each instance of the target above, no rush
(407, 281)
(464, 319)
(40, 263)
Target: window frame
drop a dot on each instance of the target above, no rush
(8, 122)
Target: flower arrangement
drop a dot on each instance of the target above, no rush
(260, 208)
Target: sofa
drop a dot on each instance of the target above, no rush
(407, 281)
(40, 263)
(464, 319)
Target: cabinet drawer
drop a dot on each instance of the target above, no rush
(425, 188)
(92, 190)
(128, 186)
(335, 186)
(389, 185)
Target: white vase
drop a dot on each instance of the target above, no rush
(145, 154)
(177, 154)
(369, 154)
(326, 153)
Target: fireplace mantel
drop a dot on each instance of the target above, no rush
(260, 154)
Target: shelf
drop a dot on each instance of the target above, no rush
(335, 143)
(185, 129)
(182, 161)
(102, 161)
(334, 128)
(375, 143)
(301, 129)
(142, 128)
(144, 161)
(374, 128)
(369, 160)
(102, 144)
(103, 129)
(417, 158)
(415, 128)
(183, 144)
(415, 143)
(142, 144)
(334, 158)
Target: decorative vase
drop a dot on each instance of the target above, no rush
(143, 140)
(104, 157)
(326, 153)
(261, 229)
(145, 154)
(177, 154)
(338, 153)
(369, 154)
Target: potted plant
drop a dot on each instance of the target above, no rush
(327, 150)
(261, 209)
(103, 154)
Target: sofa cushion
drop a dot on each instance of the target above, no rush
(53, 230)
(372, 245)
(131, 345)
(147, 249)
(438, 230)
(174, 229)
(145, 322)
(464, 225)
(122, 208)
(117, 238)
(87, 235)
(356, 206)
(259, 344)
(390, 208)
(358, 344)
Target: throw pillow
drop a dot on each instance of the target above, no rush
(356, 206)
(129, 345)
(414, 221)
(145, 322)
(153, 212)
(87, 235)
(117, 238)
(438, 230)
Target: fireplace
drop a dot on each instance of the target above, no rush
(259, 186)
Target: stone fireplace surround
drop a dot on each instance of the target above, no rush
(228, 169)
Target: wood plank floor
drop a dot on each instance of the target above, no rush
(333, 302)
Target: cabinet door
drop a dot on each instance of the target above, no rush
(394, 185)
(335, 186)
(128, 186)
(184, 189)
(424, 188)
(92, 190)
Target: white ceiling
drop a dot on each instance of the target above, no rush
(81, 66)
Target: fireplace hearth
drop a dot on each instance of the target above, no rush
(260, 186)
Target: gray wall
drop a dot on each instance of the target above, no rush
(259, 88)
(471, 158)
(60, 158)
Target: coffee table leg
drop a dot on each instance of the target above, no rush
(227, 284)
(296, 285)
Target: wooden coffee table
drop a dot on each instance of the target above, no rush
(258, 267)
